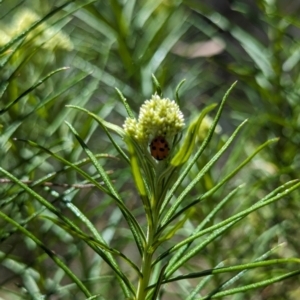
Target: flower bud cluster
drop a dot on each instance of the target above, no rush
(157, 117)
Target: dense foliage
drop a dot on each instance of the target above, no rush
(73, 205)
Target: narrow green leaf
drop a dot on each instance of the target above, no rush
(97, 297)
(96, 241)
(193, 295)
(198, 153)
(192, 252)
(8, 261)
(125, 103)
(256, 50)
(97, 244)
(10, 130)
(180, 252)
(31, 286)
(221, 227)
(139, 163)
(171, 232)
(241, 267)
(185, 192)
(237, 169)
(50, 253)
(136, 170)
(236, 277)
(157, 86)
(188, 145)
(31, 89)
(98, 237)
(70, 224)
(177, 91)
(218, 185)
(158, 283)
(50, 176)
(132, 222)
(178, 27)
(106, 125)
(252, 286)
(8, 56)
(20, 65)
(66, 162)
(39, 198)
(99, 21)
(93, 159)
(23, 223)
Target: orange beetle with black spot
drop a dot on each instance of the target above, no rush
(159, 148)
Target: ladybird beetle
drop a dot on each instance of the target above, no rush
(159, 148)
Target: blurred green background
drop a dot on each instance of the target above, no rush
(119, 43)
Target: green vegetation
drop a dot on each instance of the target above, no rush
(86, 212)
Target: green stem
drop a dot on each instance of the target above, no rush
(146, 272)
(147, 260)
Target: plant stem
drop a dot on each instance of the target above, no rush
(146, 263)
(146, 271)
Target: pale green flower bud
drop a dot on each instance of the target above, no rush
(157, 117)
(205, 126)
